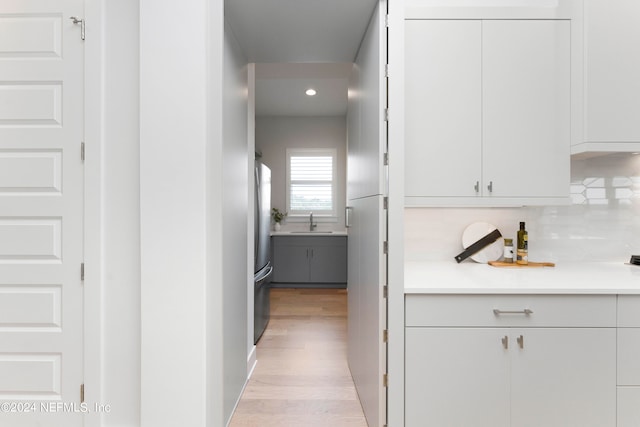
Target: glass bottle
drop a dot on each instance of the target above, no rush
(508, 250)
(522, 252)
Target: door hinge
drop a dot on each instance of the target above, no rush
(385, 159)
(82, 271)
(385, 247)
(385, 380)
(385, 291)
(385, 202)
(77, 21)
(81, 393)
(386, 70)
(385, 335)
(82, 151)
(386, 21)
(386, 114)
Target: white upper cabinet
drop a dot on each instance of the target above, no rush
(612, 67)
(365, 117)
(487, 112)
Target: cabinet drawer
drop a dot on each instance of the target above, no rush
(511, 310)
(629, 356)
(629, 311)
(628, 407)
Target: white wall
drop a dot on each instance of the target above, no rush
(193, 215)
(602, 224)
(275, 134)
(173, 213)
(121, 216)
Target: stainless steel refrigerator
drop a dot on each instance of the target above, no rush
(263, 269)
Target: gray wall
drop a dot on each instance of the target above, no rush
(235, 206)
(275, 134)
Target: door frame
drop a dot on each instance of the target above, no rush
(395, 214)
(93, 235)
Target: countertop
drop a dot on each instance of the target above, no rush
(565, 278)
(309, 233)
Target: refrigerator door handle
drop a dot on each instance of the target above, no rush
(256, 220)
(347, 216)
(265, 276)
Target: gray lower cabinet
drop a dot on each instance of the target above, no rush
(309, 261)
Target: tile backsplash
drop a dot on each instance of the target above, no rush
(601, 224)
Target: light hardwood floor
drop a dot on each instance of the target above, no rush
(302, 378)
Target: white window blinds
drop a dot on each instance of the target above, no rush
(311, 181)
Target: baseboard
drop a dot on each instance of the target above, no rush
(251, 365)
(252, 359)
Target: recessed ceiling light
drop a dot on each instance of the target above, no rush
(310, 92)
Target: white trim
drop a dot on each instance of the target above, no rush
(93, 193)
(395, 392)
(290, 152)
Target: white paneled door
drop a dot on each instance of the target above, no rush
(41, 213)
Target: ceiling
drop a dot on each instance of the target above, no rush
(299, 44)
(280, 89)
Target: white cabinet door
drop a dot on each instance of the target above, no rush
(563, 377)
(628, 407)
(629, 356)
(457, 377)
(526, 108)
(367, 320)
(612, 61)
(366, 125)
(443, 108)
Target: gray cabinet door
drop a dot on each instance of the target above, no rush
(290, 263)
(304, 259)
(329, 262)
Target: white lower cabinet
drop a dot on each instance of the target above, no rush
(519, 376)
(628, 406)
(628, 361)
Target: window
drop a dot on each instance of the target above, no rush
(311, 181)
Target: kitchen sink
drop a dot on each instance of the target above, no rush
(313, 232)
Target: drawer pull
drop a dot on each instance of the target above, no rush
(520, 340)
(526, 312)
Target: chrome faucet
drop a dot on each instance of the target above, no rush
(311, 224)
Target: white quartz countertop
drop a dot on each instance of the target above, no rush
(565, 278)
(309, 233)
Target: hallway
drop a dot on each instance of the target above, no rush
(302, 377)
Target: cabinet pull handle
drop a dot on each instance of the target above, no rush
(490, 187)
(520, 341)
(347, 216)
(526, 312)
(477, 187)
(505, 342)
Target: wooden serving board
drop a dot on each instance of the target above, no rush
(514, 264)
